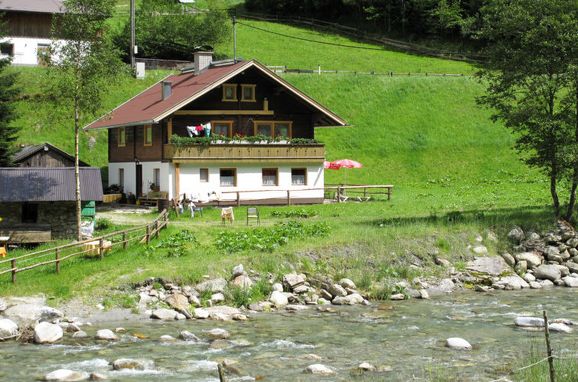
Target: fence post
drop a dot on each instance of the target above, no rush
(57, 255)
(319, 69)
(13, 264)
(338, 194)
(156, 228)
(124, 243)
(238, 199)
(101, 248)
(549, 348)
(389, 193)
(148, 234)
(288, 197)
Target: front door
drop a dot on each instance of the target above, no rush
(138, 180)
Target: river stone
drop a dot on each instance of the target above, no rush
(546, 283)
(188, 336)
(480, 250)
(551, 251)
(570, 282)
(529, 277)
(167, 338)
(564, 271)
(565, 255)
(8, 328)
(535, 285)
(444, 286)
(47, 333)
(423, 294)
(200, 313)
(458, 343)
(336, 290)
(531, 258)
(223, 310)
(351, 299)
(238, 270)
(243, 281)
(347, 283)
(164, 314)
(516, 234)
(366, 366)
(547, 272)
(295, 308)
(29, 313)
(509, 259)
(277, 287)
(397, 297)
(279, 299)
(3, 305)
(239, 317)
(218, 334)
(132, 364)
(559, 327)
(512, 282)
(521, 267)
(217, 297)
(97, 377)
(529, 321)
(214, 285)
(65, 375)
(293, 280)
(572, 266)
(180, 303)
(493, 266)
(319, 369)
(79, 334)
(106, 334)
(261, 306)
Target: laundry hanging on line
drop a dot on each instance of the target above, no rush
(197, 130)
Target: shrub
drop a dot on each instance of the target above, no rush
(102, 224)
(294, 213)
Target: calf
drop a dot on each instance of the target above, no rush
(227, 214)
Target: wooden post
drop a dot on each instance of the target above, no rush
(221, 372)
(288, 197)
(101, 248)
(177, 181)
(364, 192)
(549, 348)
(148, 234)
(124, 243)
(389, 193)
(156, 228)
(57, 255)
(338, 194)
(13, 264)
(238, 199)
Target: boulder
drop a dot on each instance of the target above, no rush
(319, 369)
(572, 266)
(279, 299)
(444, 286)
(79, 334)
(31, 313)
(347, 283)
(167, 338)
(516, 234)
(529, 277)
(480, 250)
(535, 322)
(570, 282)
(200, 313)
(218, 334)
(217, 297)
(277, 287)
(548, 272)
(65, 375)
(509, 259)
(223, 309)
(521, 267)
(564, 271)
(423, 294)
(3, 305)
(238, 270)
(512, 282)
(366, 366)
(242, 281)
(351, 299)
(559, 327)
(565, 255)
(493, 266)
(132, 364)
(336, 290)
(164, 314)
(535, 285)
(214, 285)
(546, 283)
(443, 262)
(106, 334)
(293, 280)
(397, 297)
(551, 251)
(180, 303)
(97, 377)
(188, 336)
(8, 328)
(531, 258)
(458, 343)
(47, 333)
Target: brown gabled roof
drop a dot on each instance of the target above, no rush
(149, 107)
(36, 6)
(27, 151)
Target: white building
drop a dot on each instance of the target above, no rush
(260, 148)
(29, 24)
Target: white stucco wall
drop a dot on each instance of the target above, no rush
(26, 49)
(249, 177)
(166, 178)
(129, 175)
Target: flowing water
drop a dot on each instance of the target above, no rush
(405, 339)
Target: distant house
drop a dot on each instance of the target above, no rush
(264, 152)
(29, 24)
(44, 155)
(38, 204)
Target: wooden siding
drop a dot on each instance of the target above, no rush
(245, 152)
(46, 159)
(26, 24)
(134, 147)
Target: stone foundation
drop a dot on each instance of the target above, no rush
(59, 217)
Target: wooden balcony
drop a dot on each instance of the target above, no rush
(245, 152)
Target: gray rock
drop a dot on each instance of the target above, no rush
(217, 297)
(533, 236)
(572, 266)
(295, 308)
(347, 283)
(509, 259)
(214, 285)
(565, 255)
(180, 303)
(493, 266)
(47, 333)
(397, 297)
(512, 282)
(301, 289)
(106, 334)
(559, 327)
(218, 334)
(423, 294)
(239, 317)
(279, 299)
(238, 270)
(572, 242)
(336, 290)
(188, 336)
(65, 375)
(548, 272)
(31, 313)
(79, 334)
(293, 280)
(351, 299)
(261, 306)
(3, 305)
(277, 287)
(242, 281)
(97, 377)
(164, 314)
(366, 366)
(200, 313)
(223, 310)
(9, 328)
(458, 343)
(531, 258)
(546, 283)
(516, 234)
(319, 369)
(132, 364)
(551, 251)
(570, 282)
(480, 250)
(523, 321)
(443, 262)
(529, 277)
(535, 285)
(521, 267)
(167, 338)
(445, 286)
(564, 271)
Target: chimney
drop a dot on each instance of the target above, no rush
(202, 60)
(167, 87)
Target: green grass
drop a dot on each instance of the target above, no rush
(565, 367)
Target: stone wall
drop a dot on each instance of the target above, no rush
(59, 216)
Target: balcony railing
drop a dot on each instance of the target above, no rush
(245, 152)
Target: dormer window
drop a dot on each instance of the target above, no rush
(229, 92)
(248, 93)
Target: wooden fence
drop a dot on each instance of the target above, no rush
(95, 247)
(284, 69)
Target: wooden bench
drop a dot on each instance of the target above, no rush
(152, 198)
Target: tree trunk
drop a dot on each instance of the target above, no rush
(76, 169)
(554, 192)
(572, 201)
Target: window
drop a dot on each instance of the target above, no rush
(298, 176)
(228, 177)
(224, 128)
(121, 178)
(7, 49)
(204, 174)
(270, 177)
(43, 54)
(29, 213)
(157, 178)
(121, 137)
(148, 135)
(248, 93)
(274, 129)
(229, 92)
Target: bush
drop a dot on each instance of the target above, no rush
(102, 224)
(295, 213)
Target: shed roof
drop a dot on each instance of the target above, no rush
(37, 6)
(27, 184)
(148, 106)
(28, 151)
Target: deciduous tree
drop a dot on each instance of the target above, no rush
(8, 94)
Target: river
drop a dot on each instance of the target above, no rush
(404, 339)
